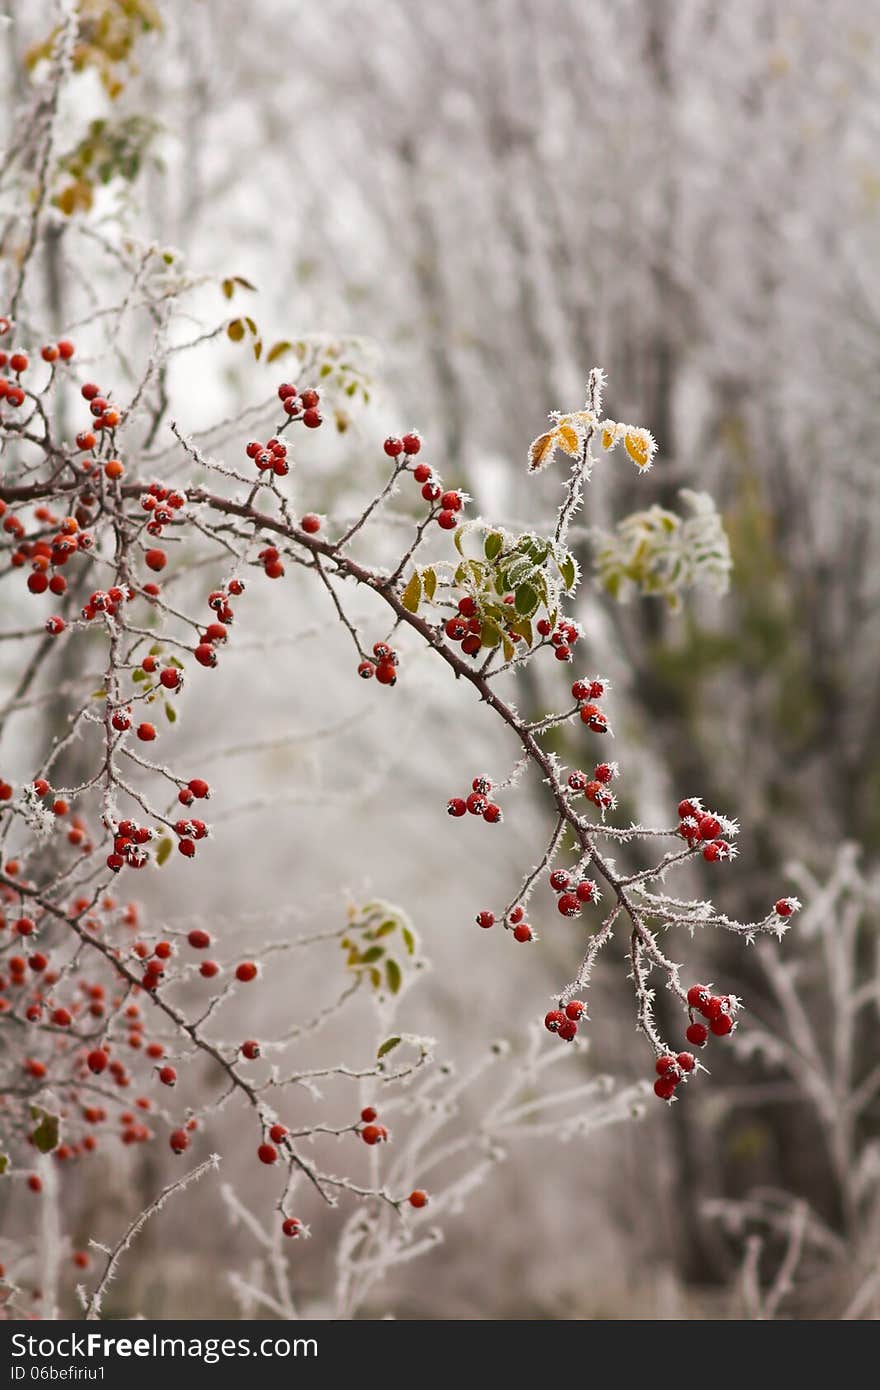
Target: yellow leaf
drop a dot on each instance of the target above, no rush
(638, 446)
(568, 440)
(542, 450)
(607, 439)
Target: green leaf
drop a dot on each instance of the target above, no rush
(385, 930)
(99, 694)
(370, 957)
(388, 1046)
(412, 594)
(429, 584)
(458, 539)
(326, 369)
(172, 661)
(170, 712)
(526, 600)
(4, 1158)
(394, 974)
(45, 1136)
(409, 941)
(568, 570)
(509, 650)
(490, 634)
(375, 977)
(493, 545)
(163, 850)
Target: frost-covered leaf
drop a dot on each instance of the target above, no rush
(388, 1046)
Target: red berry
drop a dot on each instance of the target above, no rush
(691, 808)
(312, 419)
(664, 1087)
(785, 907)
(418, 1199)
(446, 520)
(198, 939)
(267, 1153)
(722, 1025)
(575, 1009)
(371, 1134)
(467, 606)
(179, 1140)
(451, 501)
(696, 1034)
(366, 670)
(285, 390)
(554, 1020)
(411, 443)
(277, 1133)
(250, 1050)
(368, 1114)
(456, 806)
(156, 560)
(686, 1061)
(569, 905)
(568, 1030)
(291, 1226)
(697, 997)
(168, 1076)
(485, 919)
(35, 1182)
(246, 971)
(208, 969)
(386, 673)
(476, 803)
(146, 732)
(311, 523)
(393, 446)
(586, 891)
(309, 398)
(664, 1064)
(559, 880)
(493, 814)
(523, 932)
(515, 915)
(97, 1060)
(710, 827)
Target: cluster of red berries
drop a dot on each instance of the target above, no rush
(383, 665)
(299, 405)
(573, 893)
(521, 930)
(104, 415)
(269, 457)
(465, 626)
(564, 1022)
(477, 803)
(587, 692)
(671, 1071)
(48, 555)
(448, 503)
(215, 633)
(106, 602)
(129, 841)
(718, 1010)
(596, 788)
(563, 636)
(371, 1132)
(160, 503)
(18, 362)
(699, 826)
